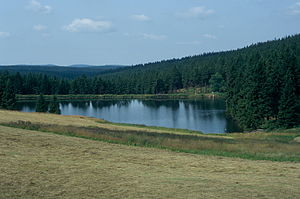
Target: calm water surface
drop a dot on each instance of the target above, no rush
(205, 115)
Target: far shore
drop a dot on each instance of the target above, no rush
(125, 96)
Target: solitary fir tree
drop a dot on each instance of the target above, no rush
(8, 96)
(54, 106)
(41, 105)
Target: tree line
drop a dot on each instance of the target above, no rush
(69, 72)
(261, 82)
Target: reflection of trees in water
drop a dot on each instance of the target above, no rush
(210, 115)
(220, 115)
(64, 103)
(205, 109)
(205, 104)
(97, 104)
(31, 105)
(173, 104)
(193, 113)
(124, 103)
(104, 103)
(77, 104)
(203, 115)
(232, 126)
(108, 103)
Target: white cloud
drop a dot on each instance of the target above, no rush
(153, 36)
(146, 36)
(36, 6)
(295, 9)
(197, 12)
(4, 34)
(189, 43)
(40, 27)
(209, 36)
(88, 25)
(140, 17)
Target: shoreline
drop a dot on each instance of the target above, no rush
(125, 96)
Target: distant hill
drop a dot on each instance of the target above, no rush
(106, 67)
(71, 71)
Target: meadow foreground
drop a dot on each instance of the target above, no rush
(36, 164)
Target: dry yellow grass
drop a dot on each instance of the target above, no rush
(41, 165)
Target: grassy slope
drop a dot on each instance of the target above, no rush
(42, 165)
(82, 121)
(278, 146)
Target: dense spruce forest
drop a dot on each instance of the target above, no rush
(261, 82)
(69, 72)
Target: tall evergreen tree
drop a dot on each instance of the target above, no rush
(42, 105)
(1, 91)
(18, 83)
(176, 79)
(160, 86)
(217, 82)
(287, 115)
(9, 100)
(254, 95)
(54, 106)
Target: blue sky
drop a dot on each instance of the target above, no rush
(129, 32)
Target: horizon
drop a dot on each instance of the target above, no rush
(95, 34)
(177, 58)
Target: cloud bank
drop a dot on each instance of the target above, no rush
(40, 27)
(295, 9)
(140, 17)
(154, 37)
(209, 36)
(197, 12)
(4, 34)
(36, 6)
(88, 25)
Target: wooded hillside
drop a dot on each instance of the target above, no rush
(261, 82)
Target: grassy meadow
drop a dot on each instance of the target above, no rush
(55, 156)
(275, 146)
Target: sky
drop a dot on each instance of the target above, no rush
(128, 32)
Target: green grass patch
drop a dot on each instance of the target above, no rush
(253, 149)
(282, 138)
(157, 128)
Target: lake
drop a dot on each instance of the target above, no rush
(205, 115)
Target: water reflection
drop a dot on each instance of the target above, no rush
(206, 115)
(173, 104)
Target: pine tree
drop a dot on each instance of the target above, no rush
(9, 100)
(1, 93)
(272, 86)
(18, 83)
(176, 79)
(160, 86)
(54, 106)
(287, 115)
(41, 105)
(216, 82)
(251, 105)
